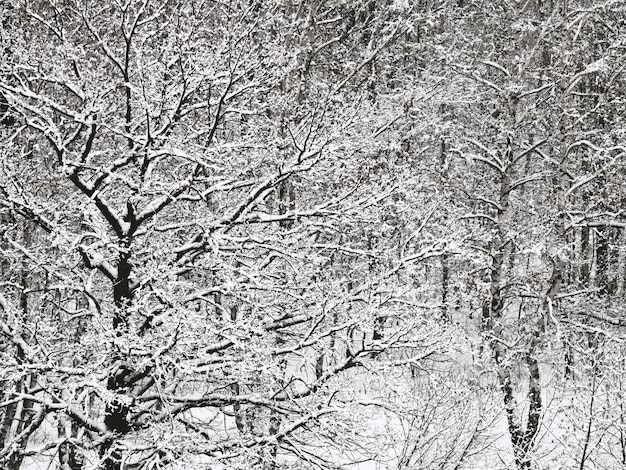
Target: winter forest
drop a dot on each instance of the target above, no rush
(312, 234)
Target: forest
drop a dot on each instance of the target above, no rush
(312, 234)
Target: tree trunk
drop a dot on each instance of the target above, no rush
(445, 287)
(116, 411)
(585, 271)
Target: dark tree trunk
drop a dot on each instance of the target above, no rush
(116, 411)
(445, 287)
(602, 261)
(585, 271)
(286, 201)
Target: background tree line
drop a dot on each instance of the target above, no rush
(314, 234)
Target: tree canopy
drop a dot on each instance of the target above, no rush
(314, 235)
